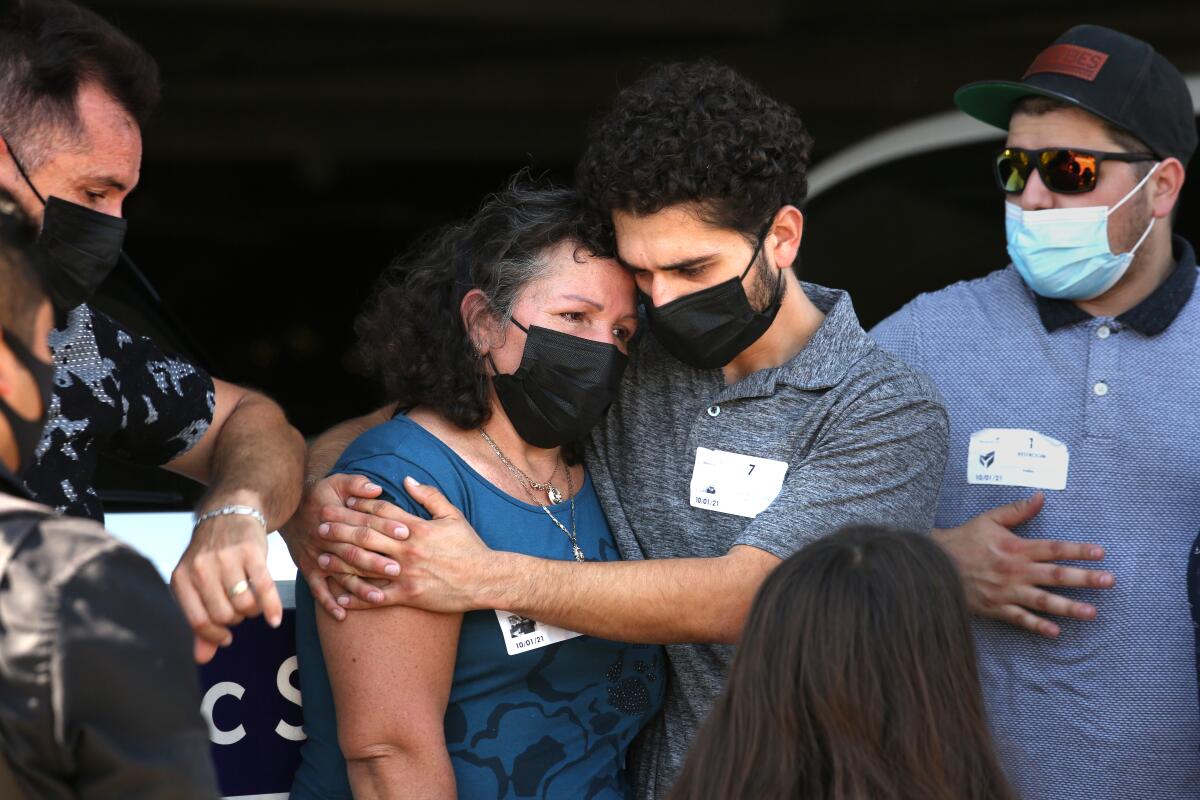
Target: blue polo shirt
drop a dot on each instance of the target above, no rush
(1109, 709)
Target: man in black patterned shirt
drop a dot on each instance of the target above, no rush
(73, 94)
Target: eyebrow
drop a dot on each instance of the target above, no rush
(595, 305)
(582, 299)
(686, 263)
(106, 180)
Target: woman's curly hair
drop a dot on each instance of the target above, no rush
(411, 332)
(696, 133)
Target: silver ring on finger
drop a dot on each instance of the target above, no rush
(238, 588)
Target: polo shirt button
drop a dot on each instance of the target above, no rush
(1103, 331)
(1101, 388)
(714, 411)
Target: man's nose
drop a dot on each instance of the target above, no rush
(661, 291)
(1035, 196)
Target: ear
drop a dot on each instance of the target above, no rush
(478, 320)
(784, 236)
(1165, 185)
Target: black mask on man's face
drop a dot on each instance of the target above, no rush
(709, 328)
(563, 387)
(77, 249)
(27, 433)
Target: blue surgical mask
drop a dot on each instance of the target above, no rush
(1063, 252)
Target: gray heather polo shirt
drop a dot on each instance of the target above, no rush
(864, 440)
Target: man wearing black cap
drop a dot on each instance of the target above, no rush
(1073, 371)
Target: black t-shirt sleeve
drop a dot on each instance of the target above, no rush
(127, 690)
(166, 401)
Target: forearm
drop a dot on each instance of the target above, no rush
(389, 771)
(258, 459)
(656, 601)
(324, 451)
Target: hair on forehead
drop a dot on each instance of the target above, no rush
(48, 50)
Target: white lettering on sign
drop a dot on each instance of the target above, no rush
(283, 679)
(215, 693)
(283, 682)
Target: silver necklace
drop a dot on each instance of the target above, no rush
(552, 493)
(526, 483)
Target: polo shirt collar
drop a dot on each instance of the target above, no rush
(1149, 317)
(837, 344)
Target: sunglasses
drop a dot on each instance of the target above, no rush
(1065, 170)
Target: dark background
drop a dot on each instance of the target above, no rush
(299, 145)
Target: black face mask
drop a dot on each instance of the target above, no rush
(27, 433)
(77, 249)
(562, 388)
(709, 328)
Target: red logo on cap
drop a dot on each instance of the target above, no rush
(1068, 59)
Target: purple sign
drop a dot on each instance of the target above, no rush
(251, 701)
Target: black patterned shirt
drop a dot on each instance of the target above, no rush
(114, 392)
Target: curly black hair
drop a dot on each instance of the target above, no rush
(411, 333)
(696, 133)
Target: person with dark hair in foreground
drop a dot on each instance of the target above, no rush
(503, 341)
(98, 697)
(756, 417)
(74, 92)
(855, 678)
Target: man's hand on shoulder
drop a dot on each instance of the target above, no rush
(307, 535)
(441, 563)
(1004, 573)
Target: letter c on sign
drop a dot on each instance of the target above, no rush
(215, 693)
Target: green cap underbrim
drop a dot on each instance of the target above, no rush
(992, 101)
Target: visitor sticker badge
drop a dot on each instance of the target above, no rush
(732, 483)
(522, 634)
(1017, 457)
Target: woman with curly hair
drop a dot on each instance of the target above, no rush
(855, 679)
(502, 341)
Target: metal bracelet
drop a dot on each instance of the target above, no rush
(224, 511)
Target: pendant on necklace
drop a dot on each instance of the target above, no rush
(554, 495)
(578, 552)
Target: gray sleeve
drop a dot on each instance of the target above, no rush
(125, 689)
(900, 336)
(883, 465)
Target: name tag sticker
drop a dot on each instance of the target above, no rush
(1017, 457)
(522, 634)
(732, 483)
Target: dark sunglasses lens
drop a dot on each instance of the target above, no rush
(1068, 171)
(1012, 168)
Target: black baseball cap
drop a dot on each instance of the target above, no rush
(1104, 72)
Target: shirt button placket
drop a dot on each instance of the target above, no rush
(1103, 360)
